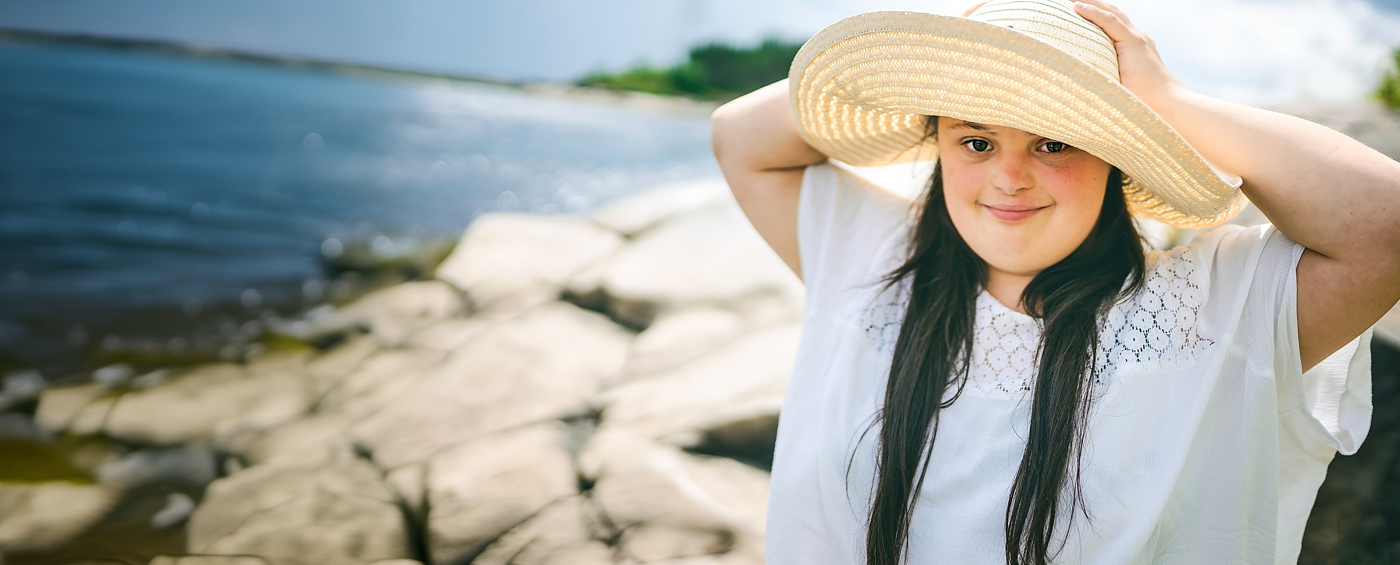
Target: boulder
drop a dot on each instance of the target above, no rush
(93, 417)
(635, 214)
(569, 531)
(379, 378)
(327, 370)
(742, 381)
(669, 504)
(710, 257)
(309, 441)
(681, 336)
(191, 465)
(503, 257)
(448, 335)
(543, 365)
(391, 314)
(410, 484)
(209, 560)
(177, 509)
(290, 515)
(59, 406)
(38, 517)
(212, 399)
(480, 489)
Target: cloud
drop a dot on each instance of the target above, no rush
(1250, 51)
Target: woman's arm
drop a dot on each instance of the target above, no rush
(1336, 197)
(762, 156)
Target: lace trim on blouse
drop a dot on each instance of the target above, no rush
(1155, 329)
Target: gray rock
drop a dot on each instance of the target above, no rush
(210, 400)
(392, 314)
(310, 441)
(448, 335)
(20, 387)
(742, 381)
(177, 509)
(114, 375)
(93, 417)
(191, 465)
(568, 531)
(338, 513)
(14, 425)
(327, 370)
(545, 364)
(635, 214)
(379, 378)
(410, 483)
(209, 560)
(38, 517)
(669, 504)
(504, 257)
(710, 257)
(681, 336)
(480, 489)
(58, 406)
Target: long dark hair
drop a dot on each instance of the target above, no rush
(935, 342)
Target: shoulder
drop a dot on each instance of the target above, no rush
(846, 224)
(830, 183)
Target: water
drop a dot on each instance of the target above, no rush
(161, 201)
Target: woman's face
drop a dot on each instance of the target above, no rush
(1022, 202)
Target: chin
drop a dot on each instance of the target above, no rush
(1019, 264)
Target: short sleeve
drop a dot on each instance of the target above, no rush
(1253, 301)
(843, 220)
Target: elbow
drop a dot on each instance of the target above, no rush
(721, 126)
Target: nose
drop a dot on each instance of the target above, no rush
(1013, 173)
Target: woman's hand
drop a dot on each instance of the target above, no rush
(1139, 66)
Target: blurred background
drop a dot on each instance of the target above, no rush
(184, 185)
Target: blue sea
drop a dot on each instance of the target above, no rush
(162, 203)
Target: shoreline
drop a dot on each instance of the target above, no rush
(635, 100)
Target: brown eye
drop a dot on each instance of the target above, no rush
(978, 145)
(1055, 146)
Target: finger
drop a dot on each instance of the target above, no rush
(1110, 8)
(1111, 24)
(974, 8)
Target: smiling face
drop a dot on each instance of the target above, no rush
(1021, 201)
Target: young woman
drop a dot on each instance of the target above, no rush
(999, 371)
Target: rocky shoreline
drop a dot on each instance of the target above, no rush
(568, 389)
(591, 388)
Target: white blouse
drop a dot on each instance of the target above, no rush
(1207, 442)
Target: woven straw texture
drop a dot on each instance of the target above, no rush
(861, 90)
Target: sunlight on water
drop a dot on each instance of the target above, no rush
(149, 197)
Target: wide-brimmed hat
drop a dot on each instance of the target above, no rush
(863, 87)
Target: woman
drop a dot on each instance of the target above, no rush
(997, 372)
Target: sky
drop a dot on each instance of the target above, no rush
(1251, 51)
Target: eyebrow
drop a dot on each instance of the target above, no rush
(973, 125)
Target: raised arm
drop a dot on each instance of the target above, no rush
(762, 155)
(1335, 196)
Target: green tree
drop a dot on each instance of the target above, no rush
(714, 71)
(1389, 89)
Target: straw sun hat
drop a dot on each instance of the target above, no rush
(862, 87)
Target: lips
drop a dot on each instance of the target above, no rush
(1013, 213)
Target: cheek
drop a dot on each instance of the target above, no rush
(1078, 203)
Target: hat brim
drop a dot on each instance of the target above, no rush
(861, 90)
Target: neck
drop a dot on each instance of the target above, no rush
(1007, 287)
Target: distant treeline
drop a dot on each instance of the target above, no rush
(1389, 90)
(714, 71)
